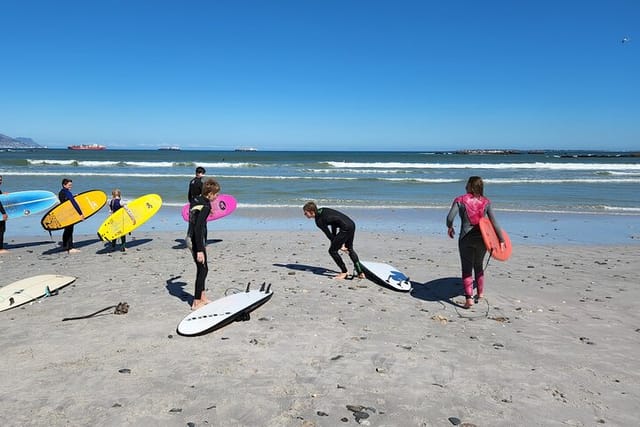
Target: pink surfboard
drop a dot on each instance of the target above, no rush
(222, 206)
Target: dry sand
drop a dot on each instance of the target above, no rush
(555, 343)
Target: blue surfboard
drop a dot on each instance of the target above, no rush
(25, 203)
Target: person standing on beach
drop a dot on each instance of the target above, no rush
(200, 210)
(340, 230)
(3, 224)
(195, 191)
(472, 206)
(116, 204)
(67, 235)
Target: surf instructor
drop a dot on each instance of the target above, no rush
(340, 230)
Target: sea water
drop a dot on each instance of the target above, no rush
(532, 192)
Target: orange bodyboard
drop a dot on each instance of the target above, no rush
(492, 242)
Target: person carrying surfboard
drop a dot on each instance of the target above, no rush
(200, 209)
(3, 224)
(64, 195)
(116, 204)
(472, 206)
(340, 230)
(195, 190)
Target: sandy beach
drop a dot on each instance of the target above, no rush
(555, 342)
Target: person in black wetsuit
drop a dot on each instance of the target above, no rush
(195, 190)
(200, 209)
(340, 230)
(67, 235)
(3, 224)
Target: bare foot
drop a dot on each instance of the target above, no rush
(341, 276)
(4, 251)
(361, 276)
(479, 297)
(73, 251)
(469, 303)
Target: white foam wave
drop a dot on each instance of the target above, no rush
(535, 165)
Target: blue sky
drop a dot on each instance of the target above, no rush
(322, 74)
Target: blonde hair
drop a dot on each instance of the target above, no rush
(210, 186)
(116, 192)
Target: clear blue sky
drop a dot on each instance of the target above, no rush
(322, 74)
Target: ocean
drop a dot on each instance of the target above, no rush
(416, 186)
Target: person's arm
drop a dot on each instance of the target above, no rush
(199, 227)
(451, 216)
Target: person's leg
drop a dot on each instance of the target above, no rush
(336, 245)
(353, 255)
(3, 227)
(202, 269)
(466, 262)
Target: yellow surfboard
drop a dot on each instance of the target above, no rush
(121, 222)
(65, 214)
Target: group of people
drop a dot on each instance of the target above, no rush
(471, 207)
(337, 227)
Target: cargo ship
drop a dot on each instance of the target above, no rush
(87, 147)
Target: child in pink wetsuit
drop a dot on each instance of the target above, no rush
(471, 207)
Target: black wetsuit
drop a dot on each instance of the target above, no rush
(340, 229)
(67, 234)
(200, 209)
(195, 190)
(3, 225)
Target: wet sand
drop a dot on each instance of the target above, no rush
(555, 342)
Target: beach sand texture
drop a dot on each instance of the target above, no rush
(555, 343)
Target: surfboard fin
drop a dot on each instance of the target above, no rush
(248, 286)
(268, 289)
(262, 286)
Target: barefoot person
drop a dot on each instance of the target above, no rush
(340, 230)
(64, 195)
(471, 207)
(200, 209)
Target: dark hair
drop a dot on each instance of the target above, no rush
(310, 207)
(210, 186)
(475, 186)
(65, 181)
(201, 170)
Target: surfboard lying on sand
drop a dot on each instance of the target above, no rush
(386, 275)
(31, 288)
(120, 223)
(65, 214)
(222, 206)
(25, 203)
(492, 242)
(223, 311)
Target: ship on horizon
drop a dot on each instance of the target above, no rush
(246, 149)
(87, 147)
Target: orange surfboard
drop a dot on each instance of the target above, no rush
(492, 242)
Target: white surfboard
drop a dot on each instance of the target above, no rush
(31, 288)
(387, 275)
(223, 311)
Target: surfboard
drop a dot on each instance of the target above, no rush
(223, 311)
(386, 275)
(25, 203)
(120, 223)
(491, 240)
(31, 288)
(64, 214)
(222, 206)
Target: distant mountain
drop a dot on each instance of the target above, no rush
(19, 142)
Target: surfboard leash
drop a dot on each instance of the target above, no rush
(120, 308)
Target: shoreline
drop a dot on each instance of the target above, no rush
(524, 228)
(553, 343)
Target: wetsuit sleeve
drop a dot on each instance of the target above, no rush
(2, 211)
(453, 212)
(494, 221)
(65, 195)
